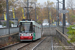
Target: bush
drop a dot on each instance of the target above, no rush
(71, 33)
(4, 23)
(10, 22)
(39, 22)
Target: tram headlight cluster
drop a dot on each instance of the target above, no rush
(21, 34)
(30, 34)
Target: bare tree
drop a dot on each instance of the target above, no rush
(71, 14)
(71, 5)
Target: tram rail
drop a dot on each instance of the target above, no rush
(34, 48)
(52, 43)
(23, 46)
(9, 46)
(13, 46)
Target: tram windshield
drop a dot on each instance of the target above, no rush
(26, 27)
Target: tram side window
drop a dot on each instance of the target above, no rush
(21, 27)
(31, 27)
(34, 28)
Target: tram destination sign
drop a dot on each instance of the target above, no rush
(63, 11)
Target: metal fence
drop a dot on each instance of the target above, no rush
(4, 31)
(60, 28)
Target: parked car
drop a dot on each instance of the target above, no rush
(1, 26)
(54, 23)
(45, 24)
(60, 23)
(67, 23)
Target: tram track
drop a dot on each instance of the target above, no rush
(16, 46)
(52, 43)
(24, 46)
(45, 43)
(38, 44)
(9, 46)
(30, 46)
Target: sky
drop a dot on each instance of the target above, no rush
(42, 2)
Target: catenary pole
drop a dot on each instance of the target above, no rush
(63, 16)
(7, 13)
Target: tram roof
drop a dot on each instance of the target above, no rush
(34, 23)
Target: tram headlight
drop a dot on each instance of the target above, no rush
(21, 34)
(30, 34)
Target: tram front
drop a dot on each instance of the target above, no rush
(26, 31)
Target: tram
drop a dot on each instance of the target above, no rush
(29, 30)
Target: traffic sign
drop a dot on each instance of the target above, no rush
(63, 11)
